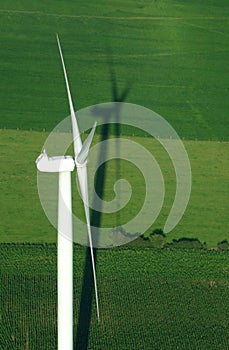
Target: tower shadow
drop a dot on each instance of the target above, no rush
(87, 291)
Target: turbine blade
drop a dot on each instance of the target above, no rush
(75, 129)
(82, 156)
(82, 171)
(82, 176)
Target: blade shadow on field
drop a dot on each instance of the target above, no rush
(87, 292)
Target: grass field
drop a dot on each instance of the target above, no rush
(148, 299)
(173, 55)
(23, 219)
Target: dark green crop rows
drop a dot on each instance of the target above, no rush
(149, 299)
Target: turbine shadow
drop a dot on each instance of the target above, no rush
(87, 292)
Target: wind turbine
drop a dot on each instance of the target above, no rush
(64, 165)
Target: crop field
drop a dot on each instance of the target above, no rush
(149, 299)
(170, 56)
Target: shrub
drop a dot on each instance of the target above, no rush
(158, 231)
(186, 243)
(224, 245)
(157, 240)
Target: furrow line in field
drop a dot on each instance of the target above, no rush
(129, 18)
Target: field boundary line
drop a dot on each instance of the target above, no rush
(150, 18)
(168, 86)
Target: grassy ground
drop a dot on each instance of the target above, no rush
(22, 218)
(171, 54)
(149, 299)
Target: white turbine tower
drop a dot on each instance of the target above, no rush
(64, 165)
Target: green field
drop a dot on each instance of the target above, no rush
(148, 299)
(23, 219)
(173, 56)
(170, 56)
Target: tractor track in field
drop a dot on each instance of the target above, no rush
(207, 29)
(129, 18)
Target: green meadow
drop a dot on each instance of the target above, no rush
(172, 56)
(169, 56)
(23, 219)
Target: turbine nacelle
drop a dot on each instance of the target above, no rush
(56, 164)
